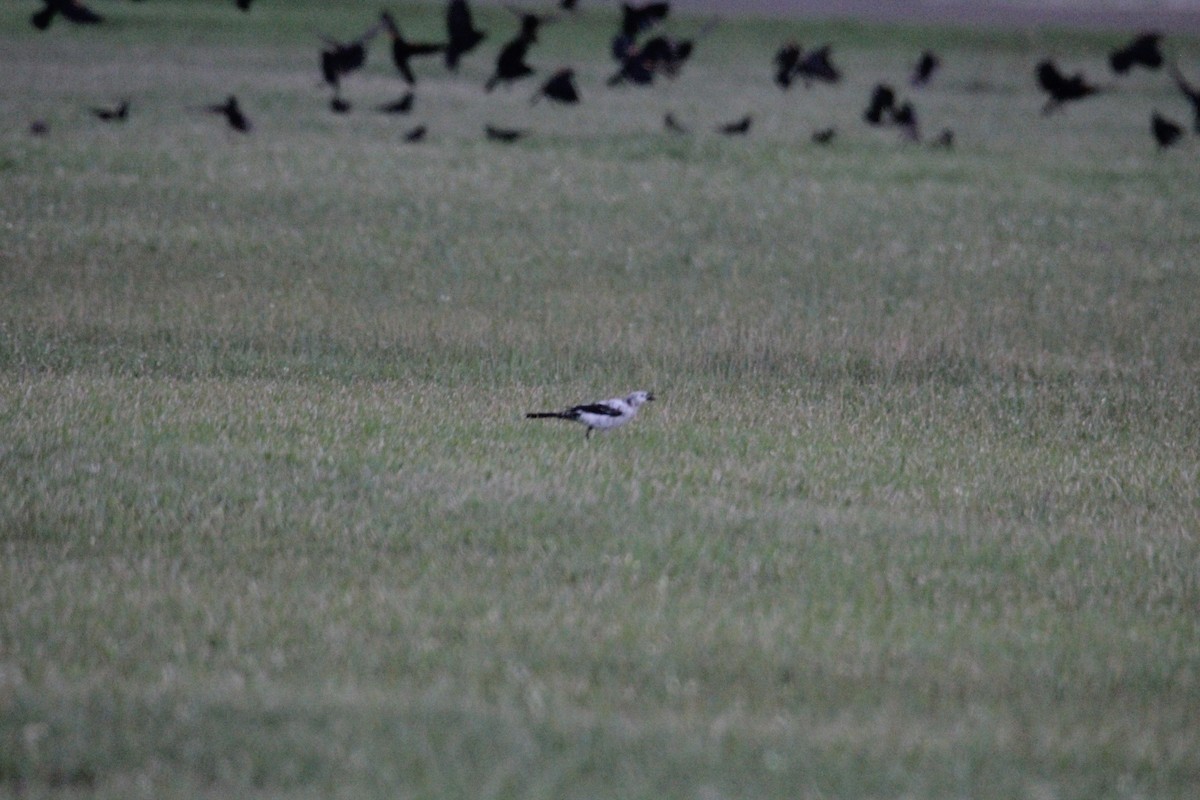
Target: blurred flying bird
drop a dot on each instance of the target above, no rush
(824, 136)
(233, 114)
(816, 65)
(673, 125)
(635, 18)
(403, 50)
(927, 64)
(601, 416)
(510, 63)
(416, 134)
(883, 101)
(560, 87)
(944, 140)
(1142, 51)
(1061, 88)
(1166, 132)
(738, 127)
(1190, 92)
(505, 135)
(71, 11)
(530, 23)
(342, 58)
(462, 34)
(118, 114)
(905, 117)
(401, 106)
(786, 60)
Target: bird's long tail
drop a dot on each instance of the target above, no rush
(546, 415)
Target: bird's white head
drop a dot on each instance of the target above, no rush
(637, 398)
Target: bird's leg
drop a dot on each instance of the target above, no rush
(588, 435)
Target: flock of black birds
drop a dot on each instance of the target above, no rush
(641, 59)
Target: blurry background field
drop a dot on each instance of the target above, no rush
(915, 514)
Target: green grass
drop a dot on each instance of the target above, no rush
(914, 516)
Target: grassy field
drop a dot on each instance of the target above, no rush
(915, 515)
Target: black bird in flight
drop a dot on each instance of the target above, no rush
(1061, 88)
(1142, 51)
(233, 114)
(944, 140)
(738, 127)
(926, 65)
(1190, 92)
(530, 23)
(883, 101)
(786, 60)
(416, 134)
(403, 50)
(560, 87)
(905, 117)
(71, 11)
(635, 18)
(402, 105)
(510, 63)
(462, 35)
(118, 114)
(817, 65)
(1166, 132)
(505, 135)
(824, 136)
(674, 126)
(342, 58)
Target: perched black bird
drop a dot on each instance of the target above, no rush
(635, 18)
(787, 58)
(674, 126)
(233, 114)
(738, 127)
(71, 11)
(883, 101)
(401, 106)
(816, 65)
(944, 140)
(927, 64)
(462, 34)
(824, 136)
(118, 114)
(505, 135)
(1061, 88)
(342, 58)
(1142, 51)
(510, 63)
(560, 87)
(1190, 92)
(416, 134)
(403, 50)
(1166, 132)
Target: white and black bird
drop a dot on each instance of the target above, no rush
(600, 416)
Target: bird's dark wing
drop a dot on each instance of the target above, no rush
(599, 409)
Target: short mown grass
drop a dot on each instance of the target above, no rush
(915, 513)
